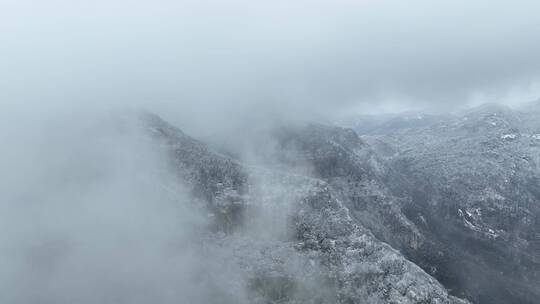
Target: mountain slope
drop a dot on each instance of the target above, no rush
(458, 196)
(291, 235)
(470, 184)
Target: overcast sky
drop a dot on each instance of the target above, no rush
(218, 58)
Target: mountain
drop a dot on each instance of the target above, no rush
(470, 185)
(419, 212)
(458, 196)
(290, 232)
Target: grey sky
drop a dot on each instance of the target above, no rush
(214, 59)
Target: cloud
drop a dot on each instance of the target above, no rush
(91, 213)
(221, 61)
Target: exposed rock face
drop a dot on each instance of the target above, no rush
(292, 235)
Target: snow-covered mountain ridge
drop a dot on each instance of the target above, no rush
(291, 235)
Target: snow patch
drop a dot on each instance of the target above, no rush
(509, 136)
